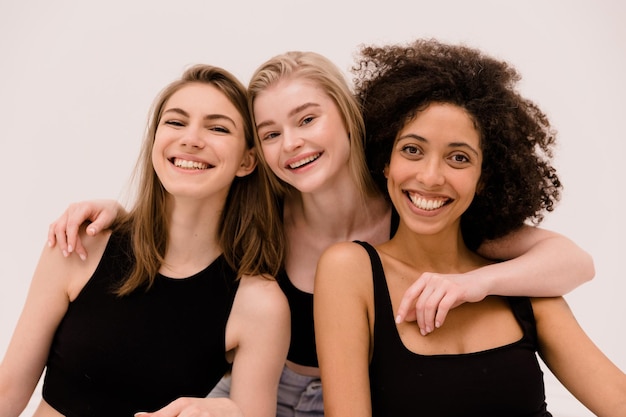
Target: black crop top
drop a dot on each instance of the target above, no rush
(302, 350)
(114, 356)
(504, 381)
(302, 346)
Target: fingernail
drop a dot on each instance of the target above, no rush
(82, 257)
(70, 249)
(437, 324)
(422, 332)
(49, 244)
(92, 232)
(398, 319)
(65, 253)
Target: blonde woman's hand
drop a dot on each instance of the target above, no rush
(63, 232)
(429, 299)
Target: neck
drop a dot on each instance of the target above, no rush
(192, 237)
(444, 252)
(334, 212)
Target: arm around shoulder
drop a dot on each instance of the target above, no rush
(540, 263)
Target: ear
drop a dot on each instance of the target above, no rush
(386, 171)
(248, 163)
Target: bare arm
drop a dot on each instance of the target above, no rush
(540, 263)
(343, 284)
(576, 361)
(260, 321)
(55, 281)
(63, 232)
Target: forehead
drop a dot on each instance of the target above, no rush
(289, 91)
(443, 122)
(203, 98)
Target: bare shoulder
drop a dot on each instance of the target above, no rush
(260, 295)
(81, 271)
(347, 258)
(344, 253)
(344, 268)
(95, 244)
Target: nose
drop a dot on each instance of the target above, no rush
(291, 141)
(192, 136)
(431, 173)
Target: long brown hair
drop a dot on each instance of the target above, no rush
(250, 232)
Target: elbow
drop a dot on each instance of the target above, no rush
(588, 267)
(583, 271)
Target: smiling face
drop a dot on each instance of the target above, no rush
(435, 168)
(199, 145)
(303, 137)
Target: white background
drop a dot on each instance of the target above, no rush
(77, 79)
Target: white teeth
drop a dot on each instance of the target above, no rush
(304, 161)
(182, 163)
(425, 204)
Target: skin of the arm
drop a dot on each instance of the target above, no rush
(56, 281)
(259, 330)
(576, 361)
(343, 286)
(261, 321)
(540, 263)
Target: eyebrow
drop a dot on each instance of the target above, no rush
(450, 145)
(291, 113)
(212, 116)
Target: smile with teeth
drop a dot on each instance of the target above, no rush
(182, 163)
(304, 161)
(426, 204)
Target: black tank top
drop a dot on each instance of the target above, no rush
(115, 356)
(302, 350)
(504, 381)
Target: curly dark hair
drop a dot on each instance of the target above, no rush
(518, 182)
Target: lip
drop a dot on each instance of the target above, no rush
(302, 160)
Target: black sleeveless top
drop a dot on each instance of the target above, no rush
(115, 356)
(302, 350)
(504, 381)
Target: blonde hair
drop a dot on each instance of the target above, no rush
(320, 70)
(250, 229)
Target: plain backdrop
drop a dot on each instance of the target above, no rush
(77, 79)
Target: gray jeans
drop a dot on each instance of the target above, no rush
(298, 395)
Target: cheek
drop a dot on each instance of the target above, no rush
(271, 155)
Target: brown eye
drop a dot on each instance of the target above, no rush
(459, 159)
(411, 149)
(220, 129)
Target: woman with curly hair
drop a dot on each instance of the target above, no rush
(463, 158)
